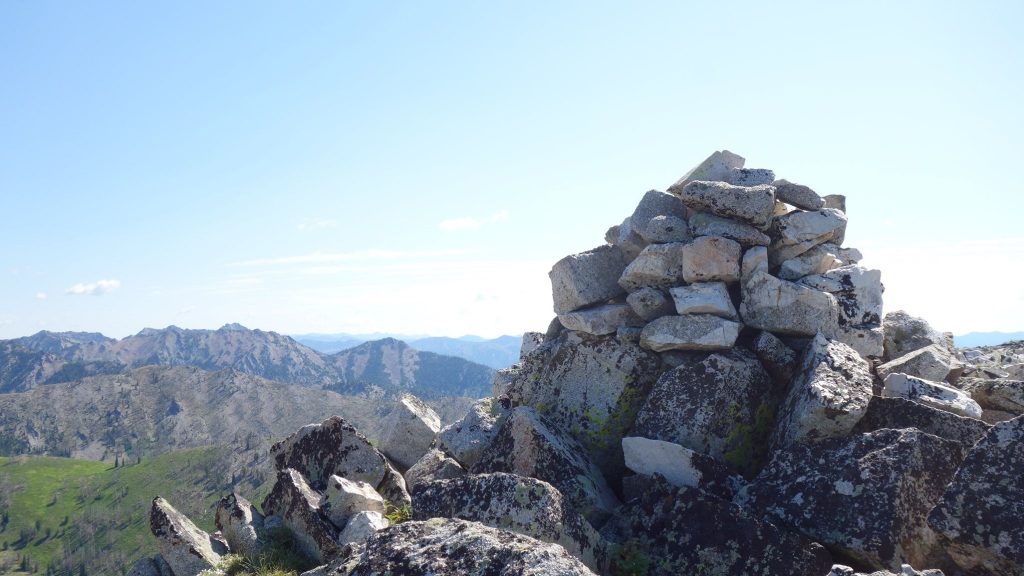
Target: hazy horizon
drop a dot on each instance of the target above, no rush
(417, 169)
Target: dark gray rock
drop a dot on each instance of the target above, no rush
(651, 303)
(155, 566)
(704, 224)
(527, 446)
(979, 516)
(749, 176)
(662, 229)
(655, 204)
(450, 547)
(865, 495)
(587, 278)
(722, 405)
(675, 531)
(775, 356)
(524, 505)
(798, 195)
(903, 413)
(828, 395)
(333, 447)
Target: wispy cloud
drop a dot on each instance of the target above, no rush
(469, 223)
(93, 288)
(310, 224)
(362, 255)
(40, 295)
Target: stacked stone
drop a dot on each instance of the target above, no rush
(727, 247)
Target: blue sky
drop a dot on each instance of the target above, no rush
(417, 167)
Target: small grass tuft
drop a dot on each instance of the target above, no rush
(397, 513)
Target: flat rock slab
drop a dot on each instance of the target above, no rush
(817, 260)
(930, 363)
(753, 205)
(749, 176)
(704, 224)
(829, 394)
(930, 393)
(683, 531)
(587, 278)
(528, 446)
(798, 195)
(979, 516)
(450, 547)
(722, 405)
(690, 332)
(704, 298)
(600, 320)
(903, 413)
(678, 465)
(524, 505)
(867, 495)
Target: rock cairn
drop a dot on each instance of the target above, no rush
(719, 393)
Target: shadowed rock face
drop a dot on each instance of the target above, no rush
(510, 502)
(866, 496)
(529, 446)
(686, 531)
(980, 515)
(298, 505)
(448, 547)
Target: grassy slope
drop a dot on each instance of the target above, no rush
(107, 509)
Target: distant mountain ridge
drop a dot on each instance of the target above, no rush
(500, 352)
(391, 365)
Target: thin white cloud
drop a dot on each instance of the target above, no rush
(93, 288)
(310, 224)
(363, 255)
(469, 223)
(40, 295)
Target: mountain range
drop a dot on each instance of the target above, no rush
(387, 364)
(500, 352)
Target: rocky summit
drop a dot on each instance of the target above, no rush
(720, 393)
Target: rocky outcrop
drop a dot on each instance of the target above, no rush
(298, 505)
(903, 413)
(528, 446)
(434, 465)
(520, 504)
(240, 524)
(466, 439)
(979, 516)
(450, 547)
(331, 448)
(410, 431)
(183, 546)
(722, 405)
(865, 495)
(829, 394)
(932, 394)
(670, 530)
